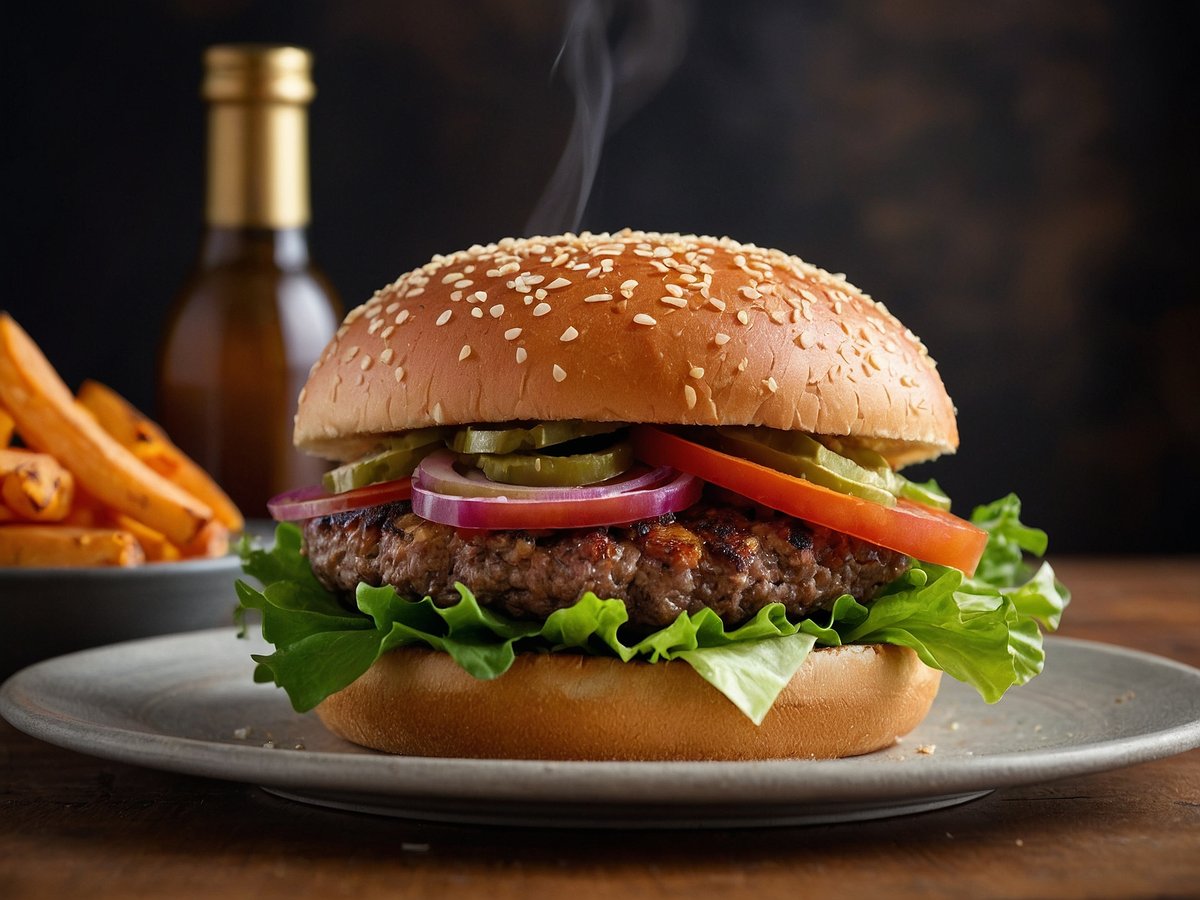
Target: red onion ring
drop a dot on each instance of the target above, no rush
(437, 474)
(616, 508)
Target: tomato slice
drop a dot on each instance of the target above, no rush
(929, 534)
(313, 501)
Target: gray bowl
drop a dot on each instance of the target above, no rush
(46, 612)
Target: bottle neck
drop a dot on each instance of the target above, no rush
(284, 248)
(257, 165)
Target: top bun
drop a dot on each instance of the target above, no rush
(627, 327)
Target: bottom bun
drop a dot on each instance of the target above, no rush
(843, 701)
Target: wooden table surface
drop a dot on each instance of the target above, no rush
(71, 825)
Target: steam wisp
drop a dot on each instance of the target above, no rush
(609, 84)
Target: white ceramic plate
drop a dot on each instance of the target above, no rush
(186, 703)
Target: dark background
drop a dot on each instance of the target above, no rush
(1016, 181)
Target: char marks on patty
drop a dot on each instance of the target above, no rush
(732, 559)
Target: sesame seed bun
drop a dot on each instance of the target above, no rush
(632, 327)
(844, 701)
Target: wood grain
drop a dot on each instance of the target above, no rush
(71, 825)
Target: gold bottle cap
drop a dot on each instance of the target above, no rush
(257, 72)
(258, 97)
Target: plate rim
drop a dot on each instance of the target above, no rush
(765, 783)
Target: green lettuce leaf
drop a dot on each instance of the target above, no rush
(985, 631)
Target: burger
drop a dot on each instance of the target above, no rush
(634, 496)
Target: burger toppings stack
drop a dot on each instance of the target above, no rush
(634, 496)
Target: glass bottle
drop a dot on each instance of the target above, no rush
(255, 312)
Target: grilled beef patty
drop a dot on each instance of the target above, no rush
(732, 559)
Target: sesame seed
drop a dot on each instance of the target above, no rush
(560, 259)
(508, 269)
(558, 283)
(560, 373)
(570, 334)
(643, 319)
(778, 316)
(772, 385)
(717, 303)
(743, 317)
(375, 325)
(444, 317)
(807, 339)
(479, 297)
(366, 362)
(464, 352)
(402, 317)
(674, 290)
(697, 372)
(456, 296)
(451, 276)
(749, 293)
(677, 302)
(436, 413)
(414, 292)
(874, 360)
(497, 311)
(533, 279)
(512, 334)
(581, 267)
(629, 284)
(387, 332)
(541, 309)
(350, 354)
(386, 356)
(476, 312)
(720, 339)
(662, 251)
(742, 365)
(597, 298)
(540, 293)
(521, 355)
(689, 394)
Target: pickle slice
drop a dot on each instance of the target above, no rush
(545, 470)
(417, 437)
(474, 439)
(801, 455)
(386, 465)
(927, 493)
